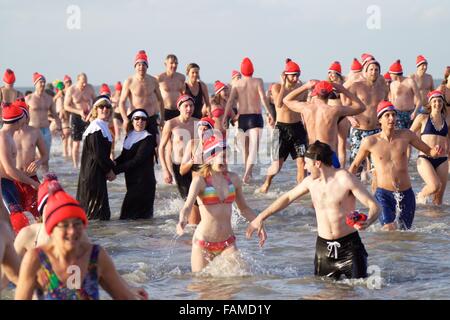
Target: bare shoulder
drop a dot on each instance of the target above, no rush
(180, 77)
(276, 87)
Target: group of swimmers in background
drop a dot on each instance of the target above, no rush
(175, 121)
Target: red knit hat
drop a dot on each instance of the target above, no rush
(247, 67)
(67, 78)
(12, 113)
(20, 219)
(37, 76)
(206, 121)
(387, 76)
(366, 57)
(104, 90)
(183, 98)
(420, 60)
(291, 67)
(22, 105)
(435, 94)
(218, 86)
(42, 195)
(212, 147)
(323, 88)
(356, 66)
(118, 86)
(9, 77)
(336, 67)
(235, 73)
(61, 206)
(141, 56)
(383, 107)
(396, 68)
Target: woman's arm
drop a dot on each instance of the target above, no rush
(197, 185)
(27, 276)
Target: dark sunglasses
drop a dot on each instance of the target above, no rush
(140, 118)
(103, 106)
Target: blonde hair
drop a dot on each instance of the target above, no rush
(205, 170)
(94, 113)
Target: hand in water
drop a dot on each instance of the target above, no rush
(256, 225)
(140, 293)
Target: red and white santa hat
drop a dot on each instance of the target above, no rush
(43, 191)
(19, 218)
(182, 99)
(435, 94)
(218, 86)
(420, 60)
(141, 56)
(336, 67)
(9, 77)
(387, 76)
(213, 146)
(366, 57)
(235, 74)
(383, 107)
(67, 78)
(12, 113)
(37, 77)
(356, 66)
(396, 68)
(291, 67)
(322, 88)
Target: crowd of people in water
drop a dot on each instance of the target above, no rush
(172, 120)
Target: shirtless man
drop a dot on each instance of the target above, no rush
(7, 93)
(27, 139)
(370, 91)
(117, 117)
(143, 92)
(388, 150)
(339, 249)
(289, 135)
(320, 118)
(423, 80)
(13, 120)
(180, 131)
(171, 85)
(78, 100)
(9, 261)
(355, 73)
(249, 93)
(41, 104)
(405, 96)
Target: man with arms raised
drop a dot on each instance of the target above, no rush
(171, 85)
(320, 118)
(388, 151)
(289, 134)
(249, 93)
(143, 92)
(339, 249)
(78, 100)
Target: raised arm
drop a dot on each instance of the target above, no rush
(356, 106)
(291, 100)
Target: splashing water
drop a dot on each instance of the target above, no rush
(398, 210)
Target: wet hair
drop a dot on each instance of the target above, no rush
(320, 151)
(171, 56)
(190, 66)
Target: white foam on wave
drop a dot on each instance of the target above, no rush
(229, 265)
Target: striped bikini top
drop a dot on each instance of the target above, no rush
(209, 196)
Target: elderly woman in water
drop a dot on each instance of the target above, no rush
(215, 189)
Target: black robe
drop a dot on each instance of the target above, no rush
(138, 165)
(92, 191)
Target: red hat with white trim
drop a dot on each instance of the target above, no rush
(396, 68)
(212, 147)
(218, 86)
(291, 67)
(61, 206)
(42, 195)
(9, 77)
(235, 74)
(383, 107)
(356, 66)
(37, 77)
(366, 57)
(67, 78)
(336, 67)
(207, 122)
(12, 113)
(435, 94)
(420, 60)
(387, 76)
(141, 56)
(21, 104)
(182, 99)
(19, 218)
(247, 67)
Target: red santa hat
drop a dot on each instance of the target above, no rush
(435, 94)
(235, 73)
(396, 68)
(19, 218)
(366, 57)
(118, 86)
(9, 77)
(67, 78)
(420, 60)
(218, 86)
(322, 88)
(212, 147)
(141, 56)
(43, 191)
(104, 90)
(61, 206)
(387, 76)
(37, 77)
(291, 67)
(336, 67)
(356, 66)
(247, 67)
(383, 107)
(207, 122)
(12, 113)
(182, 99)
(22, 105)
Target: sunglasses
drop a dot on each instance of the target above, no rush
(140, 118)
(103, 106)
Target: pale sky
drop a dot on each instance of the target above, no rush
(217, 35)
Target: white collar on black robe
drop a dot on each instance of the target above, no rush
(134, 137)
(97, 125)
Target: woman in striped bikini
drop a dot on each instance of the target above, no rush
(215, 189)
